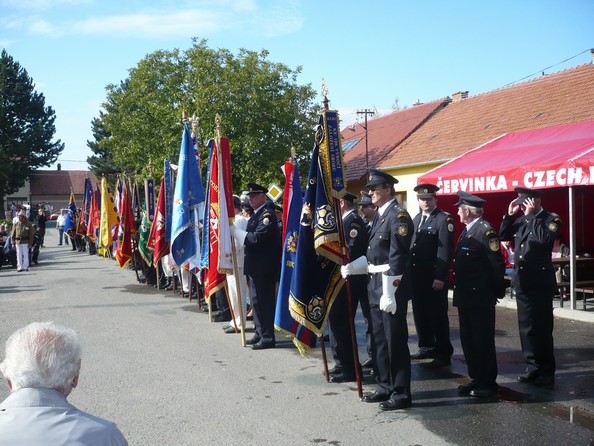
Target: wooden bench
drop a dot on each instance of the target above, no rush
(581, 286)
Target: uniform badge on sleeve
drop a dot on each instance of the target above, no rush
(266, 221)
(353, 233)
(494, 244)
(402, 229)
(450, 227)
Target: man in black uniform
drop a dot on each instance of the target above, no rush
(479, 269)
(356, 237)
(533, 281)
(430, 257)
(262, 263)
(387, 254)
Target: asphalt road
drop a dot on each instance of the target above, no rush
(155, 365)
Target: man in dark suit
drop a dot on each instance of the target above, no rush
(479, 269)
(430, 258)
(356, 236)
(533, 281)
(387, 254)
(262, 242)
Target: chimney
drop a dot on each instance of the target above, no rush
(459, 95)
(416, 104)
(592, 54)
(59, 166)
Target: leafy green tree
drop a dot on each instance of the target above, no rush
(264, 111)
(26, 129)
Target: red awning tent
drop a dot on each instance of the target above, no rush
(559, 160)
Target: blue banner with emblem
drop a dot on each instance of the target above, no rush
(168, 198)
(332, 166)
(316, 280)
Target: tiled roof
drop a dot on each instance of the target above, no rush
(59, 182)
(554, 99)
(384, 133)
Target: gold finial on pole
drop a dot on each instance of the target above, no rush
(184, 116)
(194, 122)
(324, 93)
(293, 152)
(218, 127)
(151, 167)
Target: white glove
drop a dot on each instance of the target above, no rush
(387, 302)
(357, 266)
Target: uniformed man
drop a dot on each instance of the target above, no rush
(430, 258)
(388, 291)
(21, 238)
(533, 281)
(478, 270)
(262, 242)
(367, 209)
(356, 237)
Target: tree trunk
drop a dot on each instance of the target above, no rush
(2, 210)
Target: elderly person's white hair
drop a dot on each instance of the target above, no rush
(42, 354)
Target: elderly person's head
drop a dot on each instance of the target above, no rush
(42, 354)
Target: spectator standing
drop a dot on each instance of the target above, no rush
(41, 222)
(60, 223)
(21, 238)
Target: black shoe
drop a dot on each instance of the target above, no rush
(253, 341)
(336, 370)
(396, 404)
(438, 363)
(222, 317)
(464, 389)
(422, 354)
(263, 345)
(483, 392)
(230, 329)
(375, 397)
(343, 377)
(368, 364)
(528, 377)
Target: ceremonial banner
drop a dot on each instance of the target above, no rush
(143, 235)
(316, 279)
(168, 199)
(83, 218)
(127, 228)
(94, 216)
(70, 223)
(72, 202)
(149, 198)
(214, 279)
(188, 197)
(109, 219)
(226, 209)
(157, 238)
(303, 338)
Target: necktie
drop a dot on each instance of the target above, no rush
(423, 220)
(462, 235)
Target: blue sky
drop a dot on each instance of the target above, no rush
(369, 53)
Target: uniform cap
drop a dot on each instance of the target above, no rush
(469, 199)
(349, 197)
(426, 190)
(254, 188)
(365, 199)
(376, 177)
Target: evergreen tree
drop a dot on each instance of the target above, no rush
(26, 129)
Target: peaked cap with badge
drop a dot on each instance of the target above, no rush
(426, 190)
(254, 188)
(376, 177)
(469, 199)
(365, 199)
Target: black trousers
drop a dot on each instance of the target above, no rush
(535, 323)
(430, 311)
(264, 304)
(477, 336)
(390, 351)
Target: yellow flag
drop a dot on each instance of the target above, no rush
(109, 220)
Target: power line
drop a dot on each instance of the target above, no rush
(554, 65)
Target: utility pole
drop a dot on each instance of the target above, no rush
(371, 113)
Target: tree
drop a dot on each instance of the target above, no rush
(264, 111)
(26, 129)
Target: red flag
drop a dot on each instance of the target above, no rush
(93, 224)
(214, 280)
(127, 228)
(157, 237)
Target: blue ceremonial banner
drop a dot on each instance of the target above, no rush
(187, 197)
(149, 197)
(204, 260)
(316, 279)
(331, 154)
(168, 198)
(303, 338)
